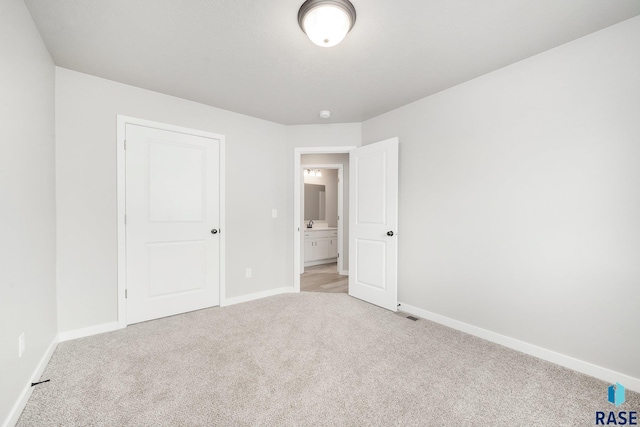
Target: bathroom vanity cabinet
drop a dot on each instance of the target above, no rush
(320, 246)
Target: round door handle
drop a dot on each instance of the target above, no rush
(214, 231)
(389, 233)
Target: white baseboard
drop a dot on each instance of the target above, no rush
(257, 295)
(18, 407)
(343, 272)
(85, 332)
(581, 366)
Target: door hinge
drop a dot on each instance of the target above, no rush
(338, 254)
(125, 144)
(125, 219)
(125, 294)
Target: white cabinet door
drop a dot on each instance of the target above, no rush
(322, 249)
(333, 248)
(172, 208)
(308, 250)
(373, 223)
(320, 245)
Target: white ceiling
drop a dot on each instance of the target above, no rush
(251, 57)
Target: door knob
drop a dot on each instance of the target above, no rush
(214, 231)
(389, 233)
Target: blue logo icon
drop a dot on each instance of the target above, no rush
(616, 394)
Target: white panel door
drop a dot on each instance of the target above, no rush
(172, 213)
(373, 224)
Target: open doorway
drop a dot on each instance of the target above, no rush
(321, 234)
(322, 207)
(372, 261)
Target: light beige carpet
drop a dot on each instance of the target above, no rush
(304, 360)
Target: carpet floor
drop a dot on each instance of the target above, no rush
(308, 359)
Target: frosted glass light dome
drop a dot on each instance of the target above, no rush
(326, 22)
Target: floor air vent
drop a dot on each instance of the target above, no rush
(412, 318)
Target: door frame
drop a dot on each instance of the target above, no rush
(340, 169)
(122, 121)
(297, 182)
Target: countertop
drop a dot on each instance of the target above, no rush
(319, 229)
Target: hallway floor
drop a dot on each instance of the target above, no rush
(323, 278)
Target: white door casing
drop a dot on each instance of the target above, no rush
(373, 223)
(172, 208)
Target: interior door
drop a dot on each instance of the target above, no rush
(373, 223)
(172, 217)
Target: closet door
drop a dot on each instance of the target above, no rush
(172, 213)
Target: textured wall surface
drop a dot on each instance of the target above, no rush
(520, 192)
(27, 189)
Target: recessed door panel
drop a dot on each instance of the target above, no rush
(371, 263)
(371, 197)
(176, 267)
(176, 182)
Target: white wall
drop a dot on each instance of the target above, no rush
(329, 135)
(520, 199)
(256, 177)
(27, 216)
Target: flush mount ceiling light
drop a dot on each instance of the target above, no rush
(326, 22)
(324, 114)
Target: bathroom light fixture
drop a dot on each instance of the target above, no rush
(313, 172)
(326, 22)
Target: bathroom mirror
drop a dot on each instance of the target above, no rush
(314, 202)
